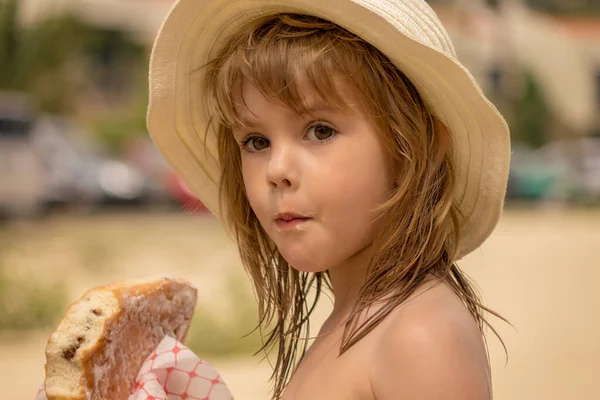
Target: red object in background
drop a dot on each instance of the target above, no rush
(183, 195)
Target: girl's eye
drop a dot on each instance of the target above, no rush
(321, 132)
(255, 143)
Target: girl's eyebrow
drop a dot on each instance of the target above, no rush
(316, 107)
(248, 121)
(246, 124)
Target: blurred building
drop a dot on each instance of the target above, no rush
(140, 17)
(541, 70)
(562, 54)
(585, 31)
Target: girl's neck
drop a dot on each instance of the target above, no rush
(347, 279)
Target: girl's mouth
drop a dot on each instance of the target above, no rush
(293, 223)
(286, 221)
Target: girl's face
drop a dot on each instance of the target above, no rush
(313, 180)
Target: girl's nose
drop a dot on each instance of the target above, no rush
(282, 169)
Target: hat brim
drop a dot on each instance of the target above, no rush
(195, 28)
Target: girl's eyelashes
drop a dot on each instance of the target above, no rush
(322, 132)
(319, 131)
(254, 143)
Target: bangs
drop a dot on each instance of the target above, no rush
(283, 57)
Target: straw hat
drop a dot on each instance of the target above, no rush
(407, 31)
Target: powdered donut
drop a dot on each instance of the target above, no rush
(98, 348)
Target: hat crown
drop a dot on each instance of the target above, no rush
(415, 19)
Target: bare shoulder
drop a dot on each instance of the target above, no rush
(430, 348)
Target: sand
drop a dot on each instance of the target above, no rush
(540, 269)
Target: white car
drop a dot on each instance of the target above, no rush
(21, 170)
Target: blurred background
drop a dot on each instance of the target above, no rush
(85, 198)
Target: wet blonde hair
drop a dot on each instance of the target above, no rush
(420, 222)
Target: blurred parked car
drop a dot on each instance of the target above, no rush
(183, 195)
(580, 159)
(48, 161)
(562, 170)
(21, 171)
(142, 154)
(534, 179)
(168, 188)
(80, 173)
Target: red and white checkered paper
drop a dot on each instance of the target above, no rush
(174, 372)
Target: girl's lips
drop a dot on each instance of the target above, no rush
(294, 223)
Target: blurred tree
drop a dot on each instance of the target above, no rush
(529, 115)
(33, 59)
(580, 7)
(8, 41)
(68, 65)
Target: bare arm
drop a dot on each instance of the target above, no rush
(430, 357)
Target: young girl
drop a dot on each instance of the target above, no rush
(344, 148)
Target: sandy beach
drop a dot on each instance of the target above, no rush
(539, 270)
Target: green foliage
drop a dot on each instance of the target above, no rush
(8, 41)
(55, 58)
(29, 304)
(530, 115)
(33, 59)
(113, 131)
(212, 335)
(572, 7)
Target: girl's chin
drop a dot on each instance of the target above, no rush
(303, 262)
